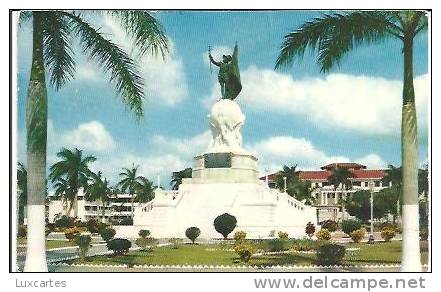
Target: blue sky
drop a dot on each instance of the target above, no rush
(293, 116)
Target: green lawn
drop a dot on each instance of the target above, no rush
(49, 244)
(201, 255)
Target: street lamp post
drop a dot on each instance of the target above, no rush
(284, 184)
(371, 190)
(266, 177)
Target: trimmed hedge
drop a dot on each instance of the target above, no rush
(119, 246)
(330, 254)
(350, 225)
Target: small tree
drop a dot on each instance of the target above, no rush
(225, 224)
(388, 233)
(92, 226)
(83, 242)
(107, 234)
(245, 250)
(310, 229)
(192, 233)
(143, 233)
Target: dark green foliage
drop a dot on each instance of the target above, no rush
(126, 221)
(107, 234)
(331, 225)
(330, 254)
(92, 226)
(65, 222)
(143, 233)
(310, 229)
(119, 246)
(277, 244)
(192, 233)
(102, 226)
(225, 224)
(350, 225)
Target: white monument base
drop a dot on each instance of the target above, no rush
(224, 180)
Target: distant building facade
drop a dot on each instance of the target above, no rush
(118, 208)
(327, 196)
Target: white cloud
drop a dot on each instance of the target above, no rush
(164, 79)
(277, 151)
(90, 136)
(183, 147)
(363, 104)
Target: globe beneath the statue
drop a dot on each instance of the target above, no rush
(226, 120)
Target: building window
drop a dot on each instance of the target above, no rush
(356, 183)
(377, 183)
(366, 184)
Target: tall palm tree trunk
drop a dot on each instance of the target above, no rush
(410, 260)
(133, 204)
(103, 212)
(36, 128)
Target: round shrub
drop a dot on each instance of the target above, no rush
(240, 235)
(388, 233)
(330, 254)
(65, 222)
(92, 226)
(245, 250)
(225, 224)
(72, 233)
(310, 229)
(22, 231)
(107, 234)
(323, 234)
(83, 242)
(119, 246)
(143, 233)
(192, 233)
(358, 235)
(330, 225)
(102, 226)
(350, 225)
(282, 235)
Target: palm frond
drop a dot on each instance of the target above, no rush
(24, 17)
(123, 72)
(57, 50)
(144, 29)
(333, 35)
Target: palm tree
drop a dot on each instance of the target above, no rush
(145, 192)
(22, 188)
(340, 178)
(304, 191)
(74, 168)
(52, 33)
(130, 182)
(177, 177)
(291, 175)
(98, 190)
(65, 193)
(334, 35)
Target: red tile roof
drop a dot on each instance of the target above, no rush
(323, 174)
(343, 165)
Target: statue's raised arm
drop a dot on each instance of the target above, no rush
(229, 75)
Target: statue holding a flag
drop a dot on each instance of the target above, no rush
(229, 76)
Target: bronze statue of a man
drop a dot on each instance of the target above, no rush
(229, 76)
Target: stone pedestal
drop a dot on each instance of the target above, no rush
(224, 180)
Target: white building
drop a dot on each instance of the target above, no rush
(118, 208)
